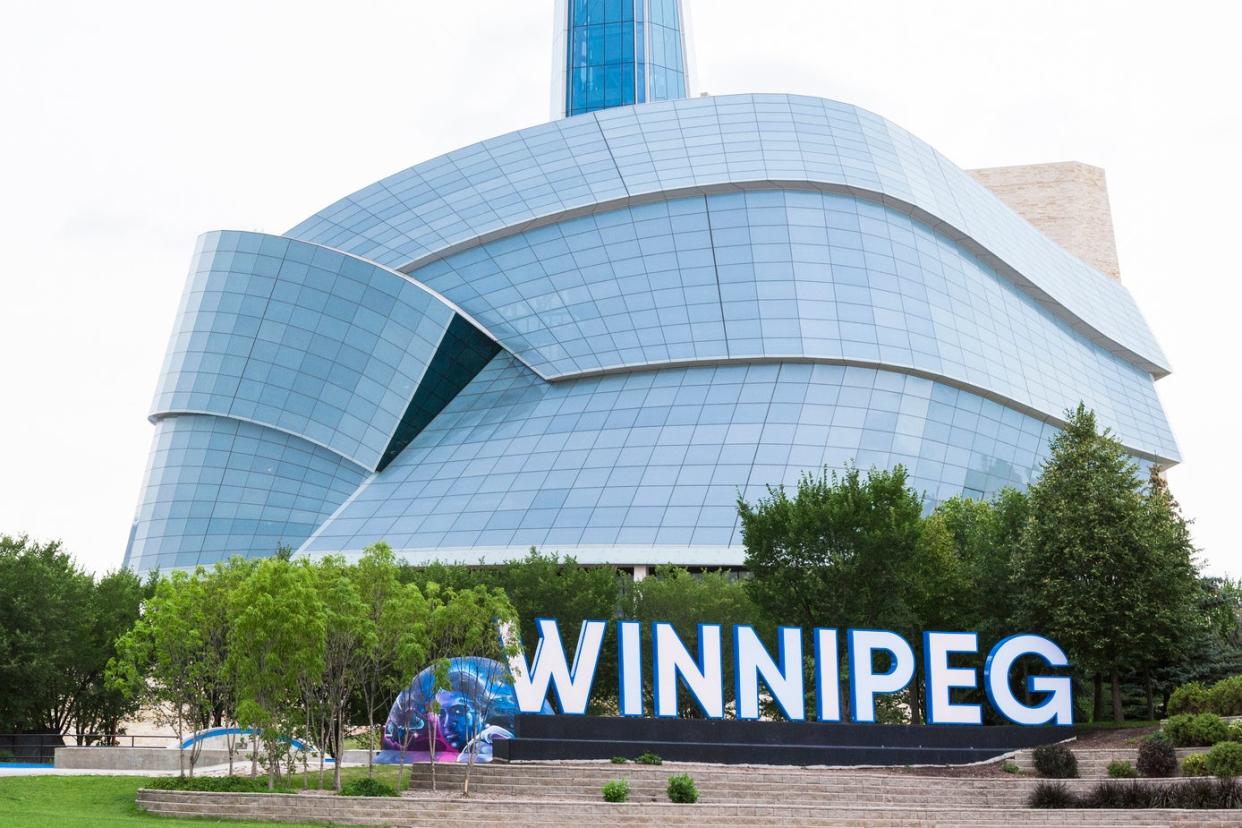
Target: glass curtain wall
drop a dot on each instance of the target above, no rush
(623, 52)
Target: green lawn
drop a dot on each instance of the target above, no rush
(103, 802)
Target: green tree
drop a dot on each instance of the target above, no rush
(45, 616)
(1084, 549)
(160, 661)
(470, 623)
(1169, 583)
(674, 595)
(547, 586)
(836, 554)
(98, 707)
(349, 641)
(277, 640)
(397, 615)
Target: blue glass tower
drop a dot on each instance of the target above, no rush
(621, 52)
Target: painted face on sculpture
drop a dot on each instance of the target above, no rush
(459, 719)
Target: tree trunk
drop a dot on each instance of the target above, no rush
(432, 721)
(370, 736)
(339, 750)
(1151, 698)
(916, 702)
(1097, 708)
(1118, 713)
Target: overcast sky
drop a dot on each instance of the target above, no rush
(129, 128)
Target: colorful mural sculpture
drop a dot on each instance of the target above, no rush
(478, 706)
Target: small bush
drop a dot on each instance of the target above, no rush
(1195, 730)
(1121, 769)
(1225, 697)
(1056, 762)
(1156, 757)
(681, 789)
(1225, 759)
(619, 760)
(649, 758)
(1189, 698)
(1052, 795)
(618, 790)
(1195, 765)
(7, 756)
(1010, 767)
(367, 786)
(211, 784)
(1235, 732)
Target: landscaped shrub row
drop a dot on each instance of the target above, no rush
(1224, 698)
(1193, 793)
(367, 786)
(1196, 729)
(211, 784)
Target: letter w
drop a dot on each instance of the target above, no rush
(572, 685)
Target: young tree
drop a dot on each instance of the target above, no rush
(478, 625)
(349, 640)
(397, 615)
(277, 639)
(160, 660)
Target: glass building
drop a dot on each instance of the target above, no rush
(591, 336)
(619, 53)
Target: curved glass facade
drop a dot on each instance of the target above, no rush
(592, 336)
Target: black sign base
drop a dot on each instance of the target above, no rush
(730, 741)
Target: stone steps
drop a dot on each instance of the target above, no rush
(1093, 762)
(533, 813)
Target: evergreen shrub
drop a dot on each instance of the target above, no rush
(1225, 759)
(1196, 730)
(1056, 762)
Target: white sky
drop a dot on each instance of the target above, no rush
(128, 128)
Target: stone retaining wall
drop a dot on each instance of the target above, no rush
(135, 758)
(539, 813)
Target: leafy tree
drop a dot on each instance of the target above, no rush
(277, 640)
(113, 609)
(349, 641)
(1085, 552)
(45, 612)
(838, 553)
(160, 661)
(546, 586)
(674, 595)
(397, 615)
(469, 623)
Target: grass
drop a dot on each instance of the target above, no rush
(108, 801)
